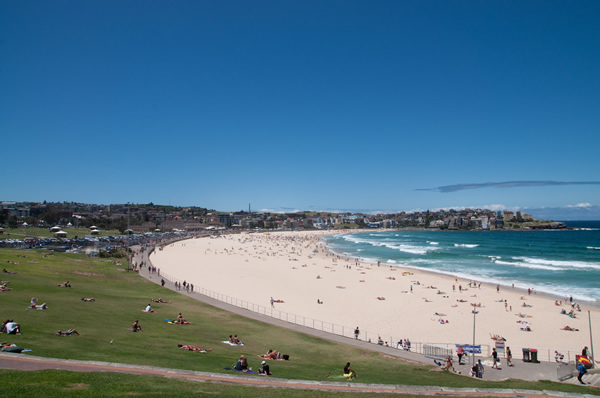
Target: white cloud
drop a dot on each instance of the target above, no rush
(584, 205)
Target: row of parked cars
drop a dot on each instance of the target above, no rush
(75, 242)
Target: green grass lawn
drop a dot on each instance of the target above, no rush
(120, 297)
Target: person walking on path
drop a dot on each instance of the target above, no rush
(495, 358)
(460, 352)
(272, 302)
(356, 333)
(582, 370)
(508, 357)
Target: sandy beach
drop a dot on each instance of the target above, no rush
(395, 303)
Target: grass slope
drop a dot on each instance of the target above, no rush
(120, 297)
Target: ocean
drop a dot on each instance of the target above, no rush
(557, 262)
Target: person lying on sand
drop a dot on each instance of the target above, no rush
(193, 348)
(67, 332)
(381, 298)
(526, 329)
(523, 315)
(570, 329)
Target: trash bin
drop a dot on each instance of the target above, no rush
(534, 353)
(526, 355)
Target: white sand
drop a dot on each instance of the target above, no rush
(256, 267)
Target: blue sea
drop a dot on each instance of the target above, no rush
(557, 262)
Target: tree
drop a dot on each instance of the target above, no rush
(13, 222)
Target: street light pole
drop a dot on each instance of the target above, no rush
(591, 341)
(473, 347)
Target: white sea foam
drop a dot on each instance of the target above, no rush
(391, 261)
(401, 247)
(465, 245)
(532, 266)
(560, 264)
(593, 248)
(434, 243)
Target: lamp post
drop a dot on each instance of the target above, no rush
(591, 341)
(473, 346)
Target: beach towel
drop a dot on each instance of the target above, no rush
(45, 307)
(233, 344)
(235, 370)
(175, 323)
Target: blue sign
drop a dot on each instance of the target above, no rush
(469, 348)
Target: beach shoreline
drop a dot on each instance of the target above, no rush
(407, 267)
(298, 268)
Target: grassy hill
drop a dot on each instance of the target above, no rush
(120, 297)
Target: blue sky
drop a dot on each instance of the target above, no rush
(303, 105)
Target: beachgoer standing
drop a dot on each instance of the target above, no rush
(272, 302)
(480, 369)
(495, 358)
(460, 352)
(508, 357)
(356, 333)
(162, 282)
(584, 352)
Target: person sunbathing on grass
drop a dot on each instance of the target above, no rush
(88, 299)
(193, 348)
(160, 300)
(348, 372)
(271, 354)
(8, 272)
(242, 364)
(3, 288)
(66, 284)
(67, 332)
(136, 326)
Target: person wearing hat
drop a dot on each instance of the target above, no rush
(264, 371)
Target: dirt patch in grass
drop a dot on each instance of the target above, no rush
(78, 386)
(87, 273)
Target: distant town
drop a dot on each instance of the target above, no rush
(142, 218)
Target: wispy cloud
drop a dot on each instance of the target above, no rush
(507, 184)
